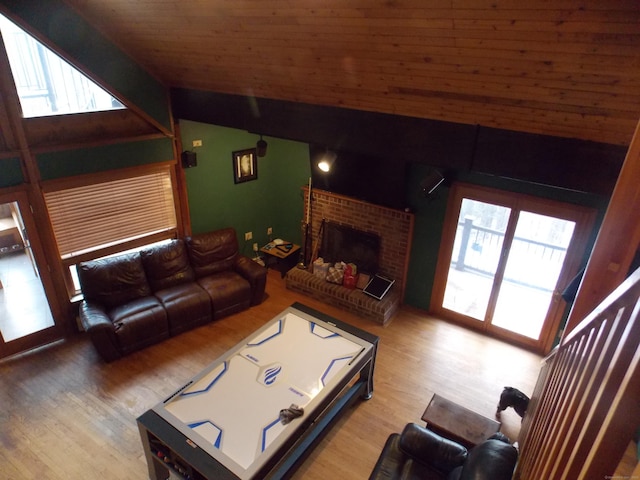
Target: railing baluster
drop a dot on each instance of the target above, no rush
(550, 257)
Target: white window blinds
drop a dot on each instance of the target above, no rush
(91, 217)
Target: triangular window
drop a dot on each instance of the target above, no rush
(46, 84)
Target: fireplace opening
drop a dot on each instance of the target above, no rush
(342, 243)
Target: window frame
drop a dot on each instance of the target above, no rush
(69, 262)
(35, 64)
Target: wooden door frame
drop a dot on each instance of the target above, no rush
(584, 218)
(57, 331)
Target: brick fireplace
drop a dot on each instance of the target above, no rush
(395, 229)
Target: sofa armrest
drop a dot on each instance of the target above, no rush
(101, 330)
(255, 274)
(430, 448)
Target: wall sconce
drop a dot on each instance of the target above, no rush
(325, 162)
(261, 147)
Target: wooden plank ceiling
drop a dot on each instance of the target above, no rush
(568, 68)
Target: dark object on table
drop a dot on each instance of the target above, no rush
(288, 414)
(419, 453)
(512, 397)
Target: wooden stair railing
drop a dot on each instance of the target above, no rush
(585, 407)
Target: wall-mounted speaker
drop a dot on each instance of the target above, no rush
(189, 159)
(429, 183)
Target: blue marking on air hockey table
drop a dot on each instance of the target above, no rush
(312, 329)
(211, 384)
(205, 422)
(264, 433)
(333, 362)
(264, 340)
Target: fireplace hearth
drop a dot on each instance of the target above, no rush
(385, 233)
(349, 299)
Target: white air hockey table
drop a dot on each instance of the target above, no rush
(225, 422)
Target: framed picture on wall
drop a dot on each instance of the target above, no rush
(245, 165)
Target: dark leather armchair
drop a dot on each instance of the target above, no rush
(419, 453)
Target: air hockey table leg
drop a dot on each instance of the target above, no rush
(367, 373)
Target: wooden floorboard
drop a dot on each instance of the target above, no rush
(66, 414)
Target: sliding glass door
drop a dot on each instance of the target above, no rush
(505, 258)
(477, 249)
(26, 318)
(532, 269)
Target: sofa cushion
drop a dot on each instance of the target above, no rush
(212, 252)
(187, 306)
(229, 292)
(167, 265)
(113, 281)
(139, 323)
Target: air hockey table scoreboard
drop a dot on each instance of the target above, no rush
(227, 422)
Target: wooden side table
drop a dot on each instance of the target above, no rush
(280, 257)
(458, 423)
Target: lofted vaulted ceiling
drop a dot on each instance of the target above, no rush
(568, 68)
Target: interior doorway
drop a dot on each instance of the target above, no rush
(505, 259)
(26, 316)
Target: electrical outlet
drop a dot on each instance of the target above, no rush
(255, 247)
(269, 230)
(197, 143)
(248, 236)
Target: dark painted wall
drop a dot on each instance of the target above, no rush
(399, 139)
(429, 218)
(565, 163)
(275, 198)
(80, 161)
(573, 171)
(367, 177)
(10, 172)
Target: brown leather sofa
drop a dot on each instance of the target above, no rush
(419, 453)
(134, 300)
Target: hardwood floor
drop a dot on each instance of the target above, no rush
(23, 304)
(67, 414)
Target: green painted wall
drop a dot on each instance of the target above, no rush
(274, 199)
(67, 163)
(429, 220)
(10, 172)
